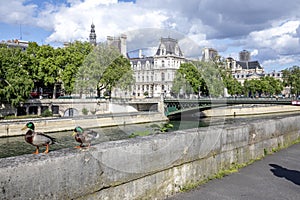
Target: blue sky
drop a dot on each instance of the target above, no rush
(268, 29)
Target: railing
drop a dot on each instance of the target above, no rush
(177, 105)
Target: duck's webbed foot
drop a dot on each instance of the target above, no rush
(47, 149)
(79, 147)
(36, 151)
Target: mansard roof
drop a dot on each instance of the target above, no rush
(249, 64)
(142, 60)
(168, 46)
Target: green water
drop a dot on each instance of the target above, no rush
(14, 146)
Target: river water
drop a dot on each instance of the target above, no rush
(15, 146)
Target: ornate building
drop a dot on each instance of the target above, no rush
(93, 36)
(244, 68)
(119, 43)
(209, 54)
(154, 75)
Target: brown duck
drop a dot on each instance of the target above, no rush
(37, 139)
(84, 137)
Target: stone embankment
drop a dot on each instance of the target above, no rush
(242, 110)
(151, 167)
(13, 127)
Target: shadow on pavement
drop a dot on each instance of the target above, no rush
(291, 175)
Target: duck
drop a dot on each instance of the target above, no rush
(37, 139)
(84, 137)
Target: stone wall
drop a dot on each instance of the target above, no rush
(151, 167)
(13, 127)
(240, 110)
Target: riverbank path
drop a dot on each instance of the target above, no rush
(276, 177)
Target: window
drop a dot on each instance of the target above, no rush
(162, 76)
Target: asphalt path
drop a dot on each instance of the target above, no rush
(276, 177)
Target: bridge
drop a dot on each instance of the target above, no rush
(178, 106)
(170, 107)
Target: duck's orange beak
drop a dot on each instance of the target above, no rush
(74, 133)
(24, 128)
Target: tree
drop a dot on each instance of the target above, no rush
(291, 78)
(212, 77)
(233, 86)
(72, 59)
(15, 81)
(198, 77)
(187, 79)
(103, 69)
(270, 86)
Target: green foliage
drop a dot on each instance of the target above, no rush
(196, 77)
(139, 133)
(15, 81)
(85, 111)
(187, 80)
(155, 128)
(211, 74)
(265, 85)
(291, 77)
(73, 58)
(103, 69)
(162, 128)
(47, 113)
(233, 86)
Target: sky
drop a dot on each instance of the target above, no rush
(268, 29)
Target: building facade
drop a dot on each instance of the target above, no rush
(154, 75)
(23, 45)
(244, 68)
(93, 36)
(209, 54)
(119, 42)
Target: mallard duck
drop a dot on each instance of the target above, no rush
(37, 139)
(82, 136)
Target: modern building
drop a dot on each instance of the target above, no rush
(154, 75)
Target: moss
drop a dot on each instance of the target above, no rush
(85, 111)
(139, 133)
(234, 167)
(265, 152)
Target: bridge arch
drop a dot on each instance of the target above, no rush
(70, 112)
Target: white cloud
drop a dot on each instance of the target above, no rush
(109, 18)
(254, 52)
(281, 62)
(15, 12)
(271, 29)
(283, 38)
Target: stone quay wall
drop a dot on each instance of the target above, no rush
(242, 110)
(13, 127)
(151, 167)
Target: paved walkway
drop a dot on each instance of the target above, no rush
(276, 177)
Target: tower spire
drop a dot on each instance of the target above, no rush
(93, 35)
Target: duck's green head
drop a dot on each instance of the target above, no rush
(29, 125)
(77, 129)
